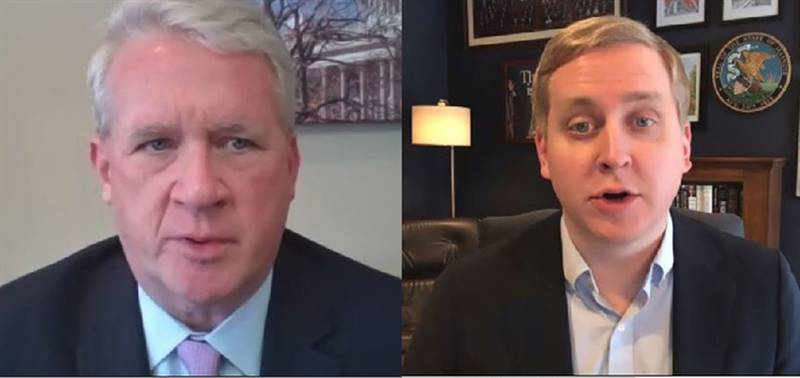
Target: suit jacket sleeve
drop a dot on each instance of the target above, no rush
(788, 356)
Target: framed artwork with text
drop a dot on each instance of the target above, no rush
(518, 100)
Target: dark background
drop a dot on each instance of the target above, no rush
(497, 178)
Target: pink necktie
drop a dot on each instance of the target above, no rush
(199, 357)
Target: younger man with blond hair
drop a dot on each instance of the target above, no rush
(616, 283)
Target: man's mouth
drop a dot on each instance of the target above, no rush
(200, 240)
(201, 248)
(616, 196)
(614, 201)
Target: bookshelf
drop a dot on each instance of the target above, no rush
(760, 180)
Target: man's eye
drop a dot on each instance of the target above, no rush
(643, 122)
(581, 127)
(156, 145)
(239, 144)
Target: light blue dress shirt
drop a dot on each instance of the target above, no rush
(605, 342)
(238, 338)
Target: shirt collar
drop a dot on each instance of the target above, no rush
(574, 265)
(665, 257)
(572, 261)
(238, 338)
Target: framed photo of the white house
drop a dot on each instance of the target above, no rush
(348, 60)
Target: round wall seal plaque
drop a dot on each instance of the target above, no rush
(751, 72)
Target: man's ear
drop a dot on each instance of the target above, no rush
(294, 162)
(686, 145)
(101, 165)
(541, 151)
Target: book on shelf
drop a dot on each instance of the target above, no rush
(710, 198)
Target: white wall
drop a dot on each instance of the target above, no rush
(348, 196)
(349, 191)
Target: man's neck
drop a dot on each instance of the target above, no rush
(199, 317)
(619, 270)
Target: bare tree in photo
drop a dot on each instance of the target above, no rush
(348, 55)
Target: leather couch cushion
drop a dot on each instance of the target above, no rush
(429, 245)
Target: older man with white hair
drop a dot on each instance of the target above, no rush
(196, 156)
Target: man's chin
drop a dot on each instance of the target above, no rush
(189, 285)
(623, 232)
(202, 295)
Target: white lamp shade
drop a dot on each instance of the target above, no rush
(440, 125)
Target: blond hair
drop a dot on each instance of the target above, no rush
(603, 31)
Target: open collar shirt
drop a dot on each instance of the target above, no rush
(605, 342)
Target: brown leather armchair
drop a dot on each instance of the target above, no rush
(429, 246)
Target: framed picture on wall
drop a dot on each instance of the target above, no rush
(680, 12)
(693, 60)
(491, 22)
(518, 104)
(744, 9)
(348, 62)
(797, 188)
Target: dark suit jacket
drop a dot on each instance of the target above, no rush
(328, 315)
(736, 308)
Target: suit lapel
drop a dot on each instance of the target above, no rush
(537, 322)
(703, 296)
(298, 321)
(110, 334)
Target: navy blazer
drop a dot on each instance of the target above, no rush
(736, 308)
(328, 315)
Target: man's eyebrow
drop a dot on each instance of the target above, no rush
(588, 102)
(151, 130)
(641, 96)
(235, 128)
(581, 102)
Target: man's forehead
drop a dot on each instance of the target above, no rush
(159, 128)
(165, 55)
(628, 97)
(188, 87)
(611, 58)
(636, 67)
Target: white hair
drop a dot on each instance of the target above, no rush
(227, 26)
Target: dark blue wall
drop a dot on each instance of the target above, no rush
(424, 82)
(496, 178)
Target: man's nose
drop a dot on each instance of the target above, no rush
(198, 185)
(615, 148)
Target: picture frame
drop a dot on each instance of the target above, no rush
(349, 66)
(492, 22)
(518, 100)
(797, 187)
(744, 10)
(694, 60)
(674, 13)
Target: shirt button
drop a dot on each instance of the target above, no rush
(621, 327)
